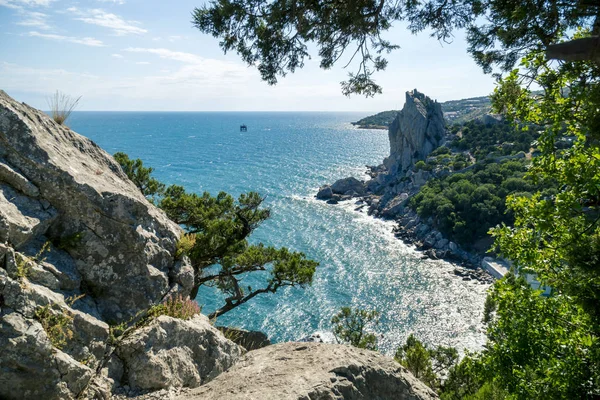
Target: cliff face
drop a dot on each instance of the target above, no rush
(416, 131)
(60, 186)
(82, 250)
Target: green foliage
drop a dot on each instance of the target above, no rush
(24, 264)
(379, 120)
(421, 165)
(349, 326)
(541, 347)
(57, 324)
(465, 205)
(426, 364)
(176, 307)
(218, 248)
(140, 175)
(500, 138)
(440, 151)
(217, 239)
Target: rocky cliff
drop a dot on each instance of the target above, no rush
(415, 133)
(83, 256)
(417, 130)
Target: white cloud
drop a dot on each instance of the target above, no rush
(43, 80)
(87, 41)
(34, 19)
(188, 58)
(142, 63)
(115, 55)
(113, 1)
(19, 4)
(108, 20)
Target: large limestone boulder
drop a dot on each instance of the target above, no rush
(316, 371)
(57, 183)
(31, 367)
(416, 131)
(345, 185)
(171, 352)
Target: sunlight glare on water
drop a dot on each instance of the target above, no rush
(286, 157)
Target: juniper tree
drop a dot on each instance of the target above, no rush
(216, 240)
(553, 45)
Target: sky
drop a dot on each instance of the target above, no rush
(145, 55)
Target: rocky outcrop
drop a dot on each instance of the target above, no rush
(349, 185)
(84, 257)
(417, 130)
(62, 185)
(81, 247)
(294, 371)
(172, 352)
(249, 340)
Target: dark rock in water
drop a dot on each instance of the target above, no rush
(324, 193)
(332, 201)
(350, 184)
(250, 340)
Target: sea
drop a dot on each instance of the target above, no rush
(286, 156)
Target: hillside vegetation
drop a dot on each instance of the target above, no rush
(455, 111)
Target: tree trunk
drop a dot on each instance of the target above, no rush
(586, 49)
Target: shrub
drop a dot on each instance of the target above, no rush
(349, 327)
(176, 307)
(185, 244)
(61, 106)
(57, 323)
(439, 151)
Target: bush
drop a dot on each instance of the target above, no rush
(466, 205)
(57, 324)
(176, 307)
(349, 326)
(440, 150)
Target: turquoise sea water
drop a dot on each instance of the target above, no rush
(286, 157)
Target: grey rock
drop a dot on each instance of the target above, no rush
(352, 184)
(324, 193)
(396, 206)
(453, 247)
(442, 244)
(295, 371)
(31, 367)
(332, 201)
(249, 340)
(125, 256)
(25, 217)
(171, 352)
(416, 131)
(18, 181)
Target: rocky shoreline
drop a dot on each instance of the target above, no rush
(92, 293)
(416, 131)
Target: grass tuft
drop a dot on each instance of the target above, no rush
(61, 106)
